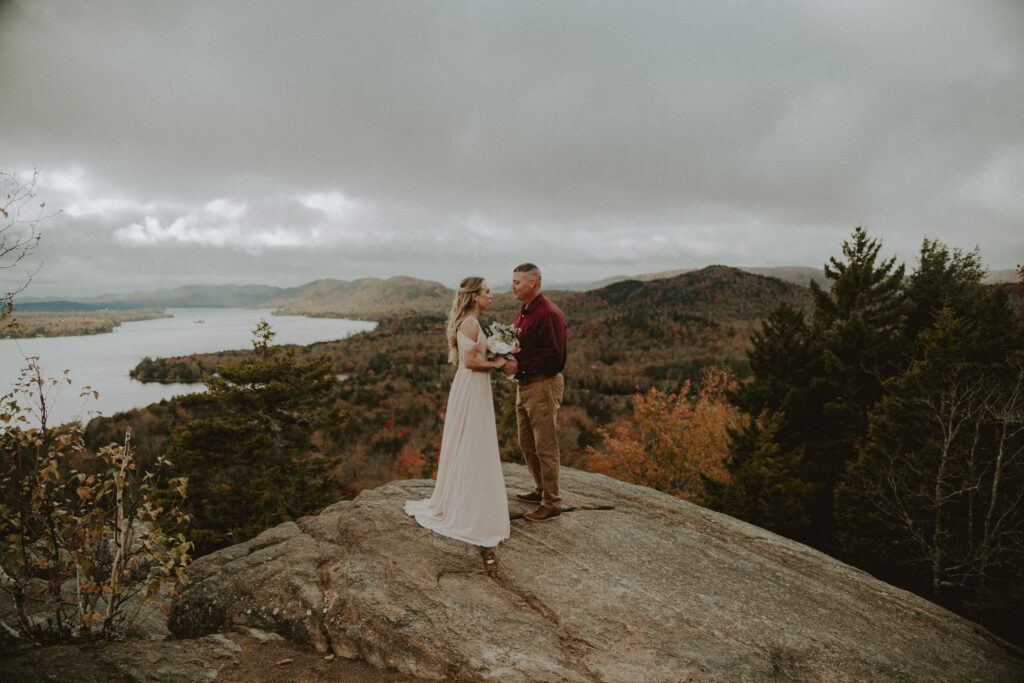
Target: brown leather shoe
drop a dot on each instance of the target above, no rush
(531, 497)
(542, 514)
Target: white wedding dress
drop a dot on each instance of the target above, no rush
(469, 502)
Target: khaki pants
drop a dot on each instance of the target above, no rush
(537, 411)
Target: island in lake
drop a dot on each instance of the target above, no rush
(29, 324)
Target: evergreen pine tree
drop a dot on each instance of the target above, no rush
(766, 485)
(857, 323)
(771, 483)
(934, 500)
(946, 279)
(817, 382)
(250, 452)
(943, 278)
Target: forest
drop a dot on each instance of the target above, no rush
(28, 324)
(878, 417)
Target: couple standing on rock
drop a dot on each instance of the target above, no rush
(469, 501)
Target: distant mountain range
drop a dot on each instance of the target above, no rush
(369, 297)
(717, 292)
(363, 297)
(798, 275)
(194, 296)
(188, 296)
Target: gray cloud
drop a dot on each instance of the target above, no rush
(230, 141)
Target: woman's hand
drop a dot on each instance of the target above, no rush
(478, 361)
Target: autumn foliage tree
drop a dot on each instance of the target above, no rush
(83, 545)
(672, 442)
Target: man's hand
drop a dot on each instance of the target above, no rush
(510, 368)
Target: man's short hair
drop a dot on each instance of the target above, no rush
(530, 269)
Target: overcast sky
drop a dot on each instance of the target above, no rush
(256, 142)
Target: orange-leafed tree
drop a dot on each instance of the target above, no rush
(672, 442)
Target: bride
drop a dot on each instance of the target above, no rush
(469, 501)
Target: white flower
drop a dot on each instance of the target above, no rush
(503, 340)
(498, 346)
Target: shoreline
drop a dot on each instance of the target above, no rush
(55, 324)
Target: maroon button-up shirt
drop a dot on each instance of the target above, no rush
(542, 348)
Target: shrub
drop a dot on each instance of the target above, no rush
(82, 545)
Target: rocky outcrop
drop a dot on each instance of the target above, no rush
(627, 585)
(193, 659)
(243, 655)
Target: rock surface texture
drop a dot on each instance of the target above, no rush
(627, 585)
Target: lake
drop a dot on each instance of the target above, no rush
(103, 361)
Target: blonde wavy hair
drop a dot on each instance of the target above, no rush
(461, 307)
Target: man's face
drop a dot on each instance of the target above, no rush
(524, 287)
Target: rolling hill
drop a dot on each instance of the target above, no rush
(718, 293)
(798, 275)
(362, 298)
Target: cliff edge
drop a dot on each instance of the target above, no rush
(627, 585)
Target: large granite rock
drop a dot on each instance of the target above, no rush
(627, 585)
(171, 661)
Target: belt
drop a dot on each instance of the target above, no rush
(527, 381)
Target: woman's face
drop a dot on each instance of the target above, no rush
(484, 297)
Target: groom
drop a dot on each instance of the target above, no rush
(538, 368)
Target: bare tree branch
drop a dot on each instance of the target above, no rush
(20, 216)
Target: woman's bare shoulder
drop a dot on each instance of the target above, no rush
(470, 327)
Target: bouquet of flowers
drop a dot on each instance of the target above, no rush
(502, 340)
